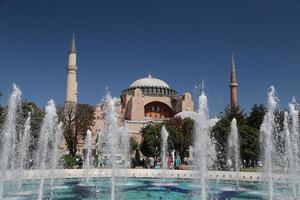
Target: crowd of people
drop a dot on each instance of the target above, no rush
(155, 163)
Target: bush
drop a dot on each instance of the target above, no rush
(69, 161)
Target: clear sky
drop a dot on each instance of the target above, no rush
(181, 41)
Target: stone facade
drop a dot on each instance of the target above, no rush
(147, 100)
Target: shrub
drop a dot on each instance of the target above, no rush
(69, 161)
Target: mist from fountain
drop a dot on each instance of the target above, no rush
(56, 139)
(23, 150)
(204, 146)
(266, 138)
(125, 149)
(289, 156)
(45, 143)
(293, 145)
(234, 149)
(164, 152)
(8, 136)
(87, 165)
(112, 131)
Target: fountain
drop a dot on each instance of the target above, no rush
(46, 143)
(23, 150)
(8, 136)
(87, 165)
(204, 147)
(55, 154)
(292, 145)
(289, 156)
(112, 131)
(164, 152)
(125, 149)
(141, 183)
(266, 131)
(234, 150)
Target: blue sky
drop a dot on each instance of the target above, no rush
(181, 41)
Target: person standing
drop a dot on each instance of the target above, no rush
(177, 163)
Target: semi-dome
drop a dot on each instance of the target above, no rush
(149, 82)
(187, 114)
(195, 116)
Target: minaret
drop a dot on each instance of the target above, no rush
(233, 85)
(71, 93)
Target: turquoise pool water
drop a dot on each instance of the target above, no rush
(134, 188)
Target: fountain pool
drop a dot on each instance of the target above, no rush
(141, 188)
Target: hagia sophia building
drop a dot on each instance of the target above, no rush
(144, 101)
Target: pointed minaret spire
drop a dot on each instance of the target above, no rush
(71, 92)
(233, 65)
(73, 45)
(233, 84)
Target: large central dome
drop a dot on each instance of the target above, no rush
(149, 82)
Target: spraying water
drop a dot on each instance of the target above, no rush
(125, 148)
(8, 135)
(164, 152)
(289, 156)
(266, 131)
(204, 147)
(56, 140)
(88, 157)
(113, 137)
(293, 146)
(48, 128)
(234, 148)
(23, 150)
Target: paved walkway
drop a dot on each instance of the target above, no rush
(142, 173)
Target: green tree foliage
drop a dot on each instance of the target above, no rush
(248, 128)
(133, 144)
(249, 143)
(151, 143)
(186, 128)
(181, 136)
(221, 131)
(2, 117)
(256, 116)
(69, 161)
(36, 120)
(77, 119)
(36, 115)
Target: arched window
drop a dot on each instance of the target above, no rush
(152, 108)
(158, 110)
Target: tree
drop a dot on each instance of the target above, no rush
(2, 115)
(256, 116)
(221, 131)
(133, 145)
(186, 128)
(249, 143)
(151, 143)
(36, 120)
(77, 119)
